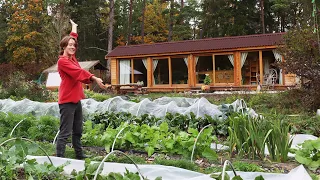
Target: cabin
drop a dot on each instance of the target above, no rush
(233, 63)
(95, 67)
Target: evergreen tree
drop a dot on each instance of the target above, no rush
(3, 34)
(92, 39)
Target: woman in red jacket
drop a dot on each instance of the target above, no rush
(70, 94)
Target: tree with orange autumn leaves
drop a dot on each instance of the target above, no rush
(26, 41)
(155, 25)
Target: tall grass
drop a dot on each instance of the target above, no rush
(250, 136)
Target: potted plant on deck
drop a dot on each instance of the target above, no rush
(206, 81)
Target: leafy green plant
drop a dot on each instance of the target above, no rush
(89, 171)
(279, 141)
(15, 165)
(181, 163)
(207, 80)
(119, 158)
(218, 176)
(246, 167)
(248, 136)
(92, 134)
(309, 154)
(91, 168)
(8, 122)
(150, 139)
(44, 129)
(176, 122)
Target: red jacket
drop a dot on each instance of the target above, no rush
(72, 77)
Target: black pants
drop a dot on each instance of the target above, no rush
(71, 121)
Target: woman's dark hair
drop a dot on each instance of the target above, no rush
(64, 43)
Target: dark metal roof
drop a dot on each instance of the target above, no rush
(179, 47)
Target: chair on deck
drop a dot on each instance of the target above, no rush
(269, 79)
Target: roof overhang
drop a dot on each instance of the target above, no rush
(224, 44)
(83, 64)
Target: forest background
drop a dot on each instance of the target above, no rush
(30, 30)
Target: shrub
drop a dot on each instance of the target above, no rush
(302, 57)
(96, 96)
(7, 123)
(19, 88)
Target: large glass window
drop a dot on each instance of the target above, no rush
(249, 67)
(125, 71)
(204, 65)
(224, 65)
(272, 73)
(133, 71)
(161, 71)
(179, 67)
(140, 71)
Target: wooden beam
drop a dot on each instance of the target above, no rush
(149, 72)
(260, 67)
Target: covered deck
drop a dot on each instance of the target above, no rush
(232, 63)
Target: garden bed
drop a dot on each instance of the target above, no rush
(169, 140)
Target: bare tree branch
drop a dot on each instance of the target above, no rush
(96, 48)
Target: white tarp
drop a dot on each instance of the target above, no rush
(159, 107)
(169, 172)
(53, 80)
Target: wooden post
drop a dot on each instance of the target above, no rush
(213, 69)
(170, 71)
(149, 72)
(114, 68)
(132, 71)
(283, 73)
(194, 71)
(237, 69)
(260, 67)
(191, 74)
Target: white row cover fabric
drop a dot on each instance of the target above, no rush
(159, 107)
(297, 173)
(169, 172)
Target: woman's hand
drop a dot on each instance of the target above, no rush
(98, 81)
(73, 26)
(73, 23)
